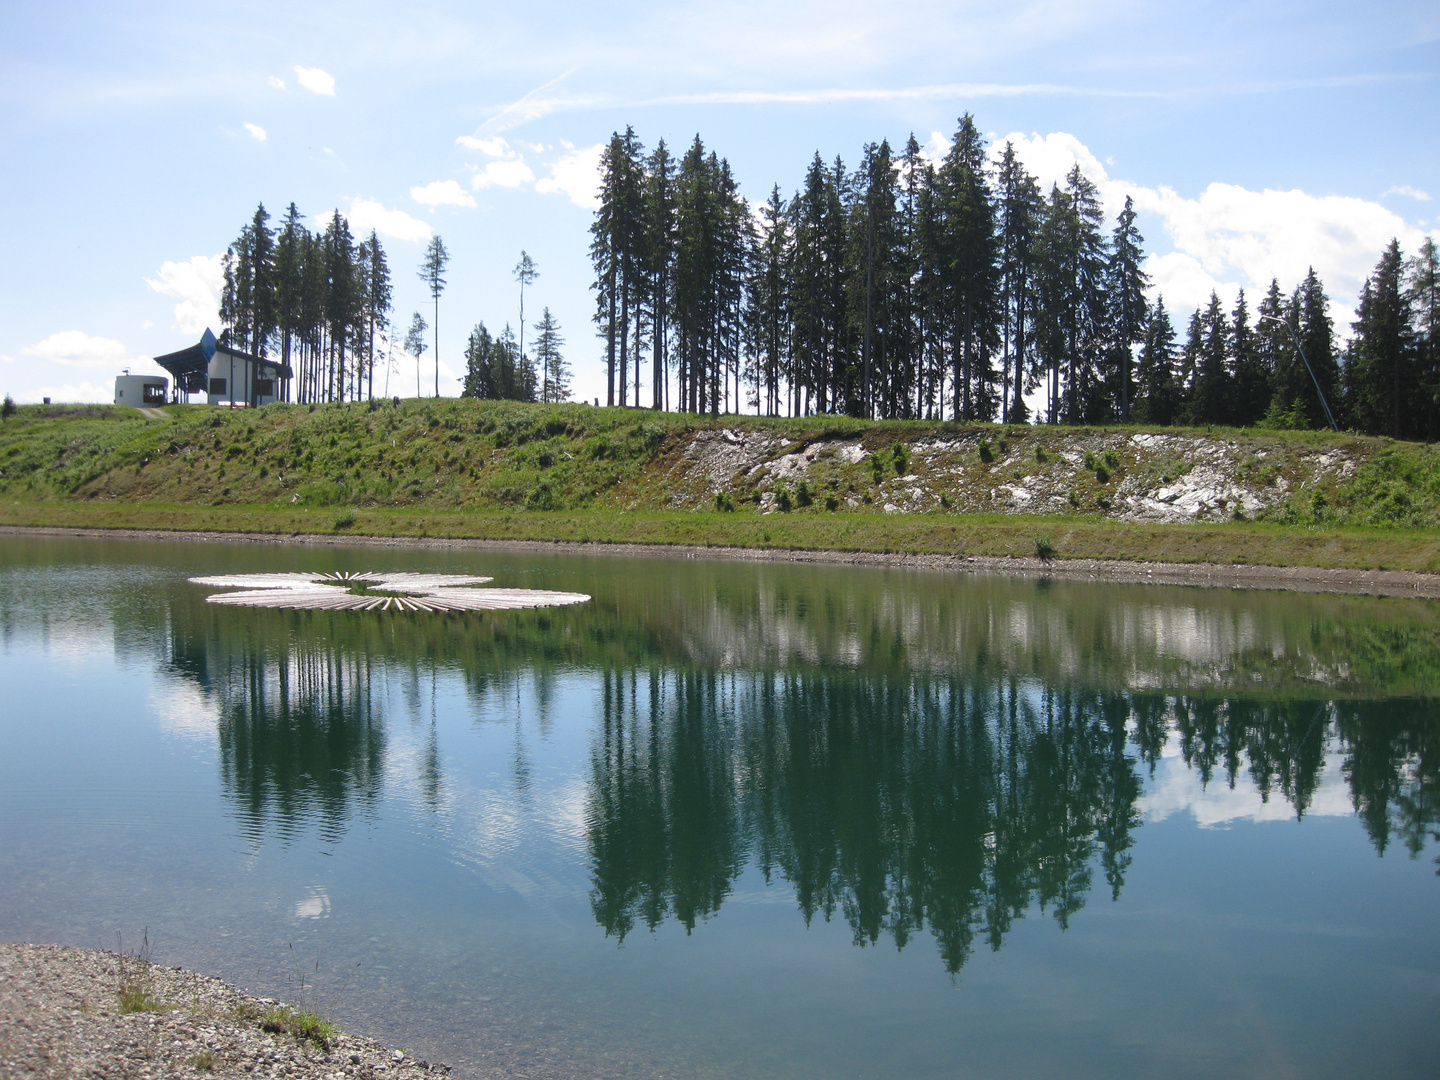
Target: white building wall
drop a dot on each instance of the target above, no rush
(130, 389)
(238, 374)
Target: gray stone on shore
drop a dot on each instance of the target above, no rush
(61, 1016)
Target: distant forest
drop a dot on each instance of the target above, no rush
(907, 289)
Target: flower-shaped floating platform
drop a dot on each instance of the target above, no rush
(379, 592)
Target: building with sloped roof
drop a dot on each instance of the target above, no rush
(225, 375)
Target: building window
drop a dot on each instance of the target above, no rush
(265, 387)
(154, 394)
(217, 386)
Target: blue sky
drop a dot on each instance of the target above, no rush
(135, 140)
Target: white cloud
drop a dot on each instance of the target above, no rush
(935, 150)
(508, 174)
(1177, 788)
(70, 393)
(1249, 237)
(1049, 157)
(577, 175)
(183, 709)
(1185, 283)
(367, 214)
(277, 82)
(197, 285)
(256, 132)
(315, 80)
(1229, 237)
(442, 193)
(1406, 189)
(495, 147)
(74, 348)
(4, 359)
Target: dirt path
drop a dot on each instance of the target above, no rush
(1398, 583)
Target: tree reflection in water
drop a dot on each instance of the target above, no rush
(893, 790)
(896, 804)
(303, 740)
(902, 805)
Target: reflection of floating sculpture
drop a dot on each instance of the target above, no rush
(404, 592)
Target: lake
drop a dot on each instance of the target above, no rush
(742, 819)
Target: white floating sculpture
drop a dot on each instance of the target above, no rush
(401, 591)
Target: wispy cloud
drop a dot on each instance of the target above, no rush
(840, 95)
(532, 107)
(316, 80)
(1406, 189)
(256, 132)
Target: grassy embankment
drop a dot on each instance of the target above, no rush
(495, 470)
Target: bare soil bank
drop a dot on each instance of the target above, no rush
(86, 1013)
(1396, 583)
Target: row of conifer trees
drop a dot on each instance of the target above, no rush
(319, 301)
(910, 288)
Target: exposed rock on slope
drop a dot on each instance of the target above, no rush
(1133, 476)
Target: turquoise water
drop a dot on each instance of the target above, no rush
(734, 820)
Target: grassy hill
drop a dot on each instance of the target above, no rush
(465, 467)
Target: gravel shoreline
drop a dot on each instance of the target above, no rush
(1394, 583)
(63, 1015)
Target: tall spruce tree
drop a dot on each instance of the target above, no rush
(1207, 399)
(554, 372)
(415, 344)
(617, 253)
(1423, 289)
(290, 248)
(658, 228)
(525, 273)
(1020, 206)
(495, 368)
(343, 296)
(1380, 373)
(1274, 350)
(1315, 376)
(876, 264)
(768, 312)
(479, 379)
(971, 272)
(1250, 387)
(1157, 393)
(816, 289)
(1125, 284)
(432, 273)
(248, 300)
(378, 295)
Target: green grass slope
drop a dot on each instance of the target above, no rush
(579, 472)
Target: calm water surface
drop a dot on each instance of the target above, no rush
(736, 820)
